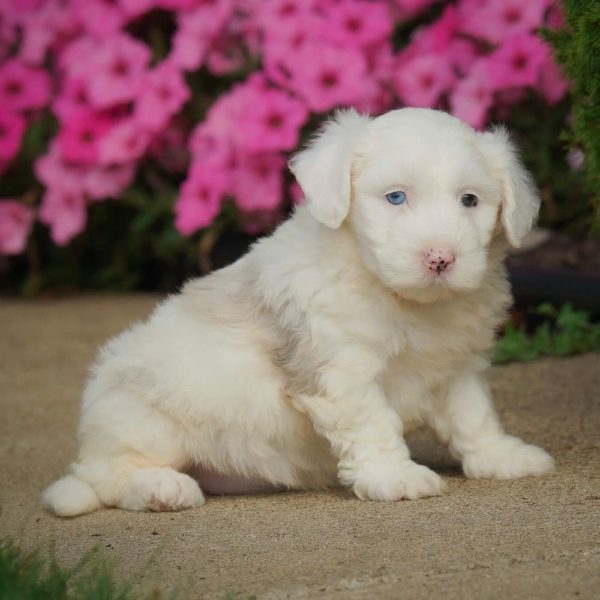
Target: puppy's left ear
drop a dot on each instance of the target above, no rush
(520, 200)
(324, 168)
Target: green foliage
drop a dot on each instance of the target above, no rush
(27, 577)
(577, 48)
(566, 331)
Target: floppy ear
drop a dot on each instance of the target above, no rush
(323, 169)
(520, 201)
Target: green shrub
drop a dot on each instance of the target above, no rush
(577, 49)
(566, 331)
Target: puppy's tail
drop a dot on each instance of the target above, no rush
(70, 497)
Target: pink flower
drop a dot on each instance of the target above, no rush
(461, 54)
(75, 57)
(437, 36)
(42, 27)
(326, 76)
(497, 20)
(552, 84)
(283, 15)
(296, 193)
(115, 72)
(54, 172)
(196, 31)
(517, 62)
(123, 143)
(89, 181)
(225, 55)
(8, 37)
(64, 212)
(409, 8)
(357, 22)
(163, 93)
(16, 221)
(271, 121)
(100, 183)
(23, 88)
(554, 16)
(258, 181)
(200, 199)
(206, 141)
(421, 80)
(12, 128)
(473, 96)
(73, 100)
(80, 135)
(179, 4)
(260, 221)
(168, 148)
(281, 45)
(223, 118)
(100, 18)
(135, 8)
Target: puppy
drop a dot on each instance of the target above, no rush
(368, 313)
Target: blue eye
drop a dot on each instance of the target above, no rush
(396, 197)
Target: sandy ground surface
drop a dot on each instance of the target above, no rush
(532, 538)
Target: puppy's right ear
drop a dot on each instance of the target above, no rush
(323, 169)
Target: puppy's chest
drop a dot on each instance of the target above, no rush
(434, 344)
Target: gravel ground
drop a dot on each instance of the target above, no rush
(531, 538)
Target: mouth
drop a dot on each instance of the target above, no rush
(438, 278)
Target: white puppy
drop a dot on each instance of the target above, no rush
(301, 366)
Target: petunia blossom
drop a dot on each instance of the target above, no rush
(517, 62)
(12, 128)
(16, 221)
(257, 182)
(123, 143)
(22, 87)
(72, 100)
(200, 198)
(473, 96)
(357, 22)
(79, 137)
(42, 27)
(196, 31)
(497, 20)
(53, 171)
(115, 71)
(326, 76)
(163, 93)
(64, 211)
(422, 80)
(100, 18)
(271, 121)
(101, 182)
(552, 83)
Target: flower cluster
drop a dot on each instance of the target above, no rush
(118, 102)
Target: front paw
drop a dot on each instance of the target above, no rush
(397, 481)
(506, 457)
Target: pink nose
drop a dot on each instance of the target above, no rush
(439, 259)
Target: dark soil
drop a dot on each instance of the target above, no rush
(562, 253)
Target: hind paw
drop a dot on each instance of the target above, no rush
(161, 489)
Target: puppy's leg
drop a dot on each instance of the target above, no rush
(160, 489)
(468, 423)
(129, 455)
(366, 436)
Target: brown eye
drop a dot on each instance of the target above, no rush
(468, 200)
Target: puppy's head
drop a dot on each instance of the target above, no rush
(422, 192)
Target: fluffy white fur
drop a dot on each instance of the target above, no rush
(302, 365)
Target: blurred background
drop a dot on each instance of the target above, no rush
(145, 141)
